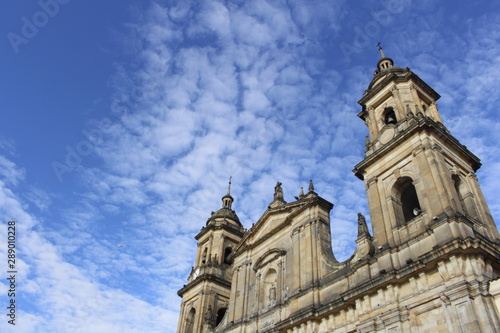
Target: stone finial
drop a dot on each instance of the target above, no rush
(417, 109)
(311, 186)
(301, 194)
(408, 110)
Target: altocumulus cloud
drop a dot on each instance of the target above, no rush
(254, 90)
(221, 90)
(58, 296)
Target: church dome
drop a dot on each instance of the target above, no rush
(224, 214)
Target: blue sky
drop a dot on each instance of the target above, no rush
(122, 121)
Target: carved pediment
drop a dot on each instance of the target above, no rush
(268, 257)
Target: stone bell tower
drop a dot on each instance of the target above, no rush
(419, 178)
(206, 296)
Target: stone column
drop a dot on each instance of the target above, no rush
(380, 228)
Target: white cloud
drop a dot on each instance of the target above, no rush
(58, 296)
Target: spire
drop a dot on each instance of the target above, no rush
(382, 56)
(229, 186)
(227, 200)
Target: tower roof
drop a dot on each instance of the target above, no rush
(226, 213)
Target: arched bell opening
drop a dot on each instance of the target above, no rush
(390, 116)
(220, 315)
(407, 205)
(227, 253)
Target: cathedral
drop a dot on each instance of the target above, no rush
(429, 264)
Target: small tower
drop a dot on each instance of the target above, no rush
(206, 296)
(419, 178)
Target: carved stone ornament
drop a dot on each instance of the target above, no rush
(209, 317)
(387, 135)
(272, 293)
(278, 192)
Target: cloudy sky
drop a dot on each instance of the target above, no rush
(121, 122)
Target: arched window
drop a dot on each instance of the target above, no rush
(406, 202)
(220, 315)
(227, 252)
(389, 116)
(189, 327)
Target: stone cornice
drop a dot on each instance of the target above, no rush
(397, 74)
(204, 277)
(422, 124)
(237, 231)
(424, 263)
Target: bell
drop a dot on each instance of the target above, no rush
(391, 120)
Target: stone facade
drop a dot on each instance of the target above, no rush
(430, 265)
